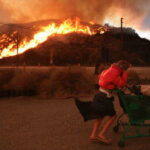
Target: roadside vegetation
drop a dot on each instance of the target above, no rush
(62, 82)
(47, 83)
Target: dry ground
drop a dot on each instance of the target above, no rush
(29, 123)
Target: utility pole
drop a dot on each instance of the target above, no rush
(121, 24)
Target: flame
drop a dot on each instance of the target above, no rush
(92, 22)
(52, 29)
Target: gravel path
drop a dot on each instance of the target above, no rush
(29, 123)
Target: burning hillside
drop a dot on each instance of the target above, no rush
(85, 49)
(12, 43)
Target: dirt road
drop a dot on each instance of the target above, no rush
(29, 123)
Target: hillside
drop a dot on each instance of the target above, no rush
(84, 49)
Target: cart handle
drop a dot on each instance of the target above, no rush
(134, 89)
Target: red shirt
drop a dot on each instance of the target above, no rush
(112, 77)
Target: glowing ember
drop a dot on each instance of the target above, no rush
(66, 27)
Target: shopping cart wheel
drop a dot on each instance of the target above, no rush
(116, 128)
(121, 144)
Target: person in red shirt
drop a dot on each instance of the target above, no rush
(102, 105)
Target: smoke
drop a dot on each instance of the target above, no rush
(25, 10)
(135, 13)
(4, 13)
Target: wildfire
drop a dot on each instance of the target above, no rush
(92, 22)
(52, 29)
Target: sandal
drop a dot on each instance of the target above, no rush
(103, 139)
(93, 139)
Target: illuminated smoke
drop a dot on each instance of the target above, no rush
(135, 13)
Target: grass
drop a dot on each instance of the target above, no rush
(134, 78)
(52, 82)
(64, 81)
(71, 80)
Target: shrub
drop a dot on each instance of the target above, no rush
(5, 77)
(53, 82)
(26, 80)
(100, 68)
(133, 77)
(145, 81)
(71, 80)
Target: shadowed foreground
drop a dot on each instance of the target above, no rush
(28, 123)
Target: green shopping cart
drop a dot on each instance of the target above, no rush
(137, 108)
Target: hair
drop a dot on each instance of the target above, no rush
(123, 64)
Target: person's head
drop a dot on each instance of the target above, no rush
(123, 64)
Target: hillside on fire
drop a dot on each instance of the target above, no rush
(102, 44)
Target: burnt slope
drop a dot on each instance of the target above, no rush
(87, 50)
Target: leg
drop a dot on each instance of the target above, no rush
(95, 128)
(102, 138)
(106, 126)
